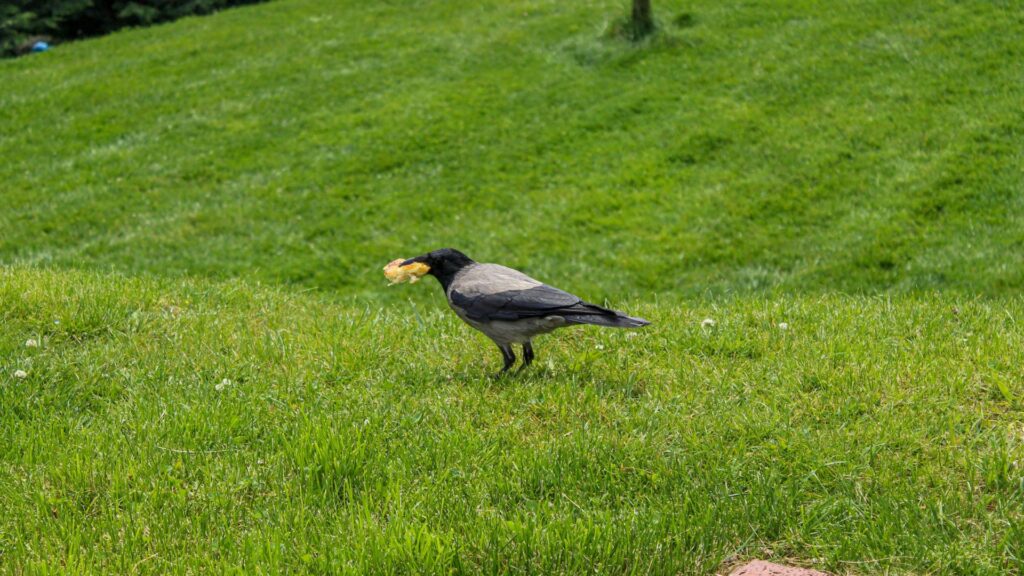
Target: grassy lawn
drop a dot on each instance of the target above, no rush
(197, 427)
(194, 217)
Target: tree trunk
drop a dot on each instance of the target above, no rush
(642, 21)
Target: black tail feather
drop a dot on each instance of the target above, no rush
(585, 313)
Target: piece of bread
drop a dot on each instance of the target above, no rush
(411, 273)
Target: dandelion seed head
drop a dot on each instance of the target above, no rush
(707, 323)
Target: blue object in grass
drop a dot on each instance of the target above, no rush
(40, 46)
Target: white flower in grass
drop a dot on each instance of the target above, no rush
(599, 346)
(783, 325)
(222, 385)
(31, 343)
(707, 323)
(20, 374)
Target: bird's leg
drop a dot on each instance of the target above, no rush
(508, 355)
(527, 354)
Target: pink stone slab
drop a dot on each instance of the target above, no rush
(762, 568)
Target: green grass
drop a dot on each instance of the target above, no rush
(800, 146)
(872, 435)
(194, 217)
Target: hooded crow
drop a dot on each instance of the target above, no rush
(507, 305)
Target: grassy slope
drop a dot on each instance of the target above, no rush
(871, 435)
(805, 145)
(799, 146)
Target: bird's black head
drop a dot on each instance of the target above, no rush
(444, 264)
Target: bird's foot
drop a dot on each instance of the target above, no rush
(509, 358)
(503, 373)
(527, 357)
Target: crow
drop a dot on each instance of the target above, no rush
(508, 306)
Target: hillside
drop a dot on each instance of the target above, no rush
(186, 427)
(202, 370)
(794, 146)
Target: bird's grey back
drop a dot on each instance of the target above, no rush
(480, 279)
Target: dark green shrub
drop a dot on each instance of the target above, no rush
(23, 20)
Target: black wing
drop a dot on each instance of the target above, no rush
(535, 302)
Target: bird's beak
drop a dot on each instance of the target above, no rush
(420, 269)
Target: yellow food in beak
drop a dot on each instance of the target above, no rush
(397, 273)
